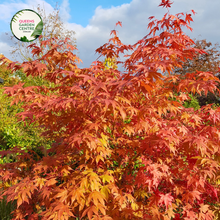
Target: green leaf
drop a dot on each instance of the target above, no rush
(24, 39)
(38, 30)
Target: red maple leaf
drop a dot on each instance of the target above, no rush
(119, 23)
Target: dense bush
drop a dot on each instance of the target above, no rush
(12, 132)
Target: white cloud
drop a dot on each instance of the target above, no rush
(8, 9)
(43, 4)
(65, 11)
(4, 48)
(134, 18)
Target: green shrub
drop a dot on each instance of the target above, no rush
(193, 103)
(6, 209)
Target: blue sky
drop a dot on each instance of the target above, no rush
(92, 20)
(83, 10)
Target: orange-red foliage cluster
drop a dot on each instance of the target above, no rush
(115, 155)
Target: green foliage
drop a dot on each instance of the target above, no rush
(215, 105)
(24, 39)
(38, 30)
(13, 132)
(193, 103)
(9, 79)
(6, 209)
(26, 137)
(32, 81)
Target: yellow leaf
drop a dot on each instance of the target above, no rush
(101, 208)
(185, 116)
(84, 183)
(94, 182)
(104, 140)
(81, 205)
(172, 148)
(40, 182)
(98, 158)
(134, 206)
(105, 191)
(178, 201)
(204, 161)
(63, 195)
(107, 178)
(161, 162)
(89, 211)
(129, 130)
(97, 197)
(170, 213)
(100, 170)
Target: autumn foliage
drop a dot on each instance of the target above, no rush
(208, 61)
(123, 148)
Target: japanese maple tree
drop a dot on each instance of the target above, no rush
(123, 149)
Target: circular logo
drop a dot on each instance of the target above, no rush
(26, 25)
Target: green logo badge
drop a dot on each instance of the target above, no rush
(26, 25)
